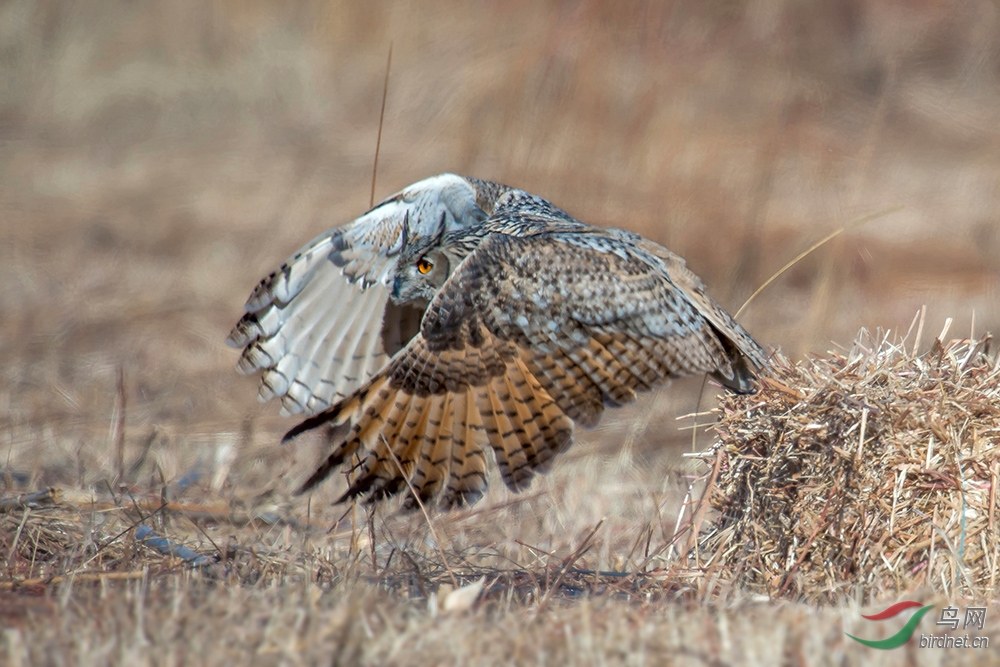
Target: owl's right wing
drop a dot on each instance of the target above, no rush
(527, 336)
(322, 324)
(746, 355)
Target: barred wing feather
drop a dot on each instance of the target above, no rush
(322, 325)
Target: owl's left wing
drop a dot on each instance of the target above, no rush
(526, 336)
(322, 324)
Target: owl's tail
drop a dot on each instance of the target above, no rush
(438, 440)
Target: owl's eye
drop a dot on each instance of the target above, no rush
(423, 266)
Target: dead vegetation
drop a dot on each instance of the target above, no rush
(857, 478)
(867, 474)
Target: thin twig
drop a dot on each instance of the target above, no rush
(119, 428)
(568, 563)
(49, 496)
(381, 118)
(818, 244)
(427, 516)
(80, 576)
(804, 550)
(699, 513)
(920, 330)
(17, 536)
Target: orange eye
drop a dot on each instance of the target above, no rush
(423, 266)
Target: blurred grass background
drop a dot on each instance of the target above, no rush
(156, 159)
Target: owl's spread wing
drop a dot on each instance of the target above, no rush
(746, 354)
(322, 324)
(527, 336)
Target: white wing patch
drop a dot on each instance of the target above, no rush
(315, 326)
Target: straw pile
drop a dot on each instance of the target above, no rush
(867, 474)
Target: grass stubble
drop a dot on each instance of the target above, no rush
(584, 567)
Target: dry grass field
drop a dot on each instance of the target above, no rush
(157, 159)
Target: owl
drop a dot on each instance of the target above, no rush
(460, 317)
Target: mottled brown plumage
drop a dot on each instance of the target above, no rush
(533, 321)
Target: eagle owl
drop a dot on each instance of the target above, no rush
(461, 315)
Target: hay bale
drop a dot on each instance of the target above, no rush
(869, 475)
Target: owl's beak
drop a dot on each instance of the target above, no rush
(397, 286)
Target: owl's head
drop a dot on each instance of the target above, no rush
(419, 278)
(426, 263)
